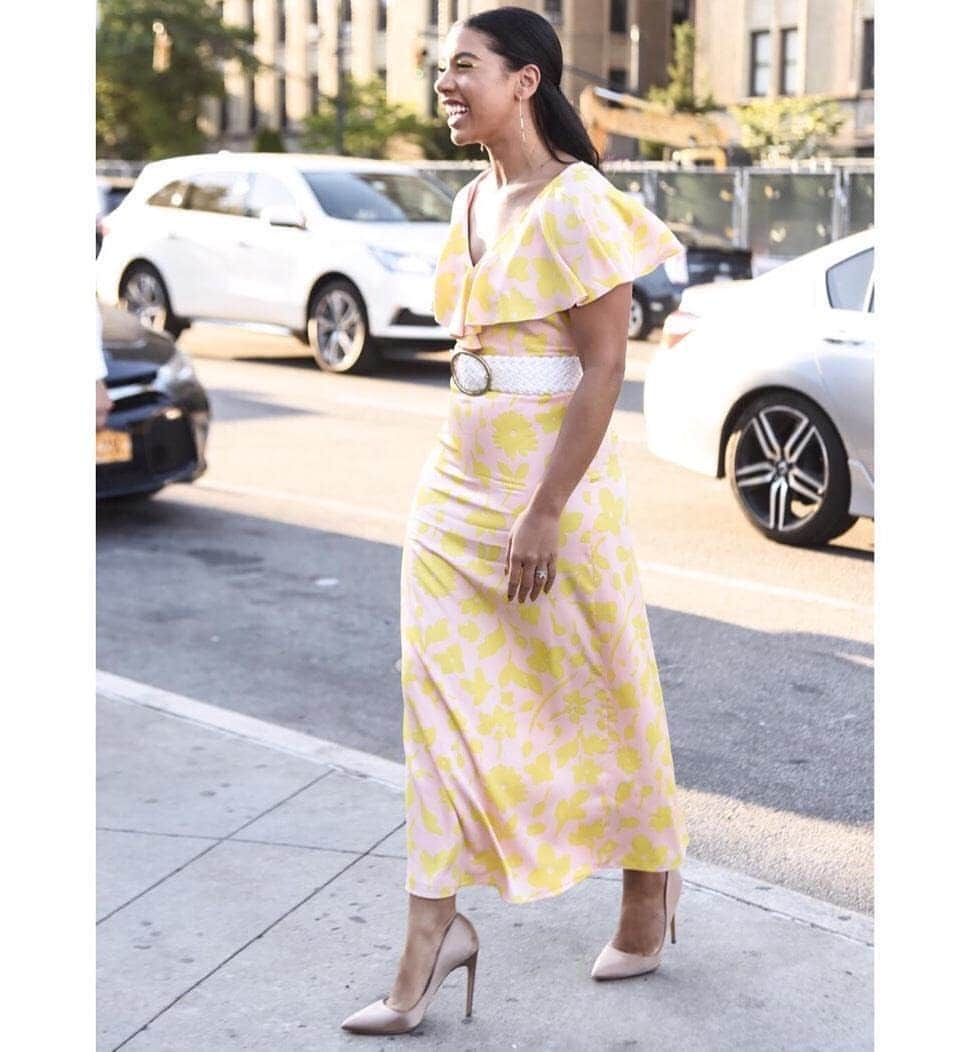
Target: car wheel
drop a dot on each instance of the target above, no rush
(638, 316)
(143, 293)
(788, 470)
(339, 332)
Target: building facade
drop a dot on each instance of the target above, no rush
(748, 49)
(622, 43)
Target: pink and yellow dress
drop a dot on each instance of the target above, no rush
(535, 736)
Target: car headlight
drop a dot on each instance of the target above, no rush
(177, 370)
(403, 262)
(676, 269)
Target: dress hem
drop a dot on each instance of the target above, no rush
(517, 900)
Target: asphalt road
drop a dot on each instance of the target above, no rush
(271, 586)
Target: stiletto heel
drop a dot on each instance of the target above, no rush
(471, 972)
(458, 948)
(613, 963)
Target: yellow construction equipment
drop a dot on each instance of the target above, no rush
(699, 138)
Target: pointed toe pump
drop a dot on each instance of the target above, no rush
(613, 963)
(457, 949)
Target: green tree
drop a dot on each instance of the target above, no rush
(371, 123)
(144, 113)
(268, 140)
(679, 93)
(787, 128)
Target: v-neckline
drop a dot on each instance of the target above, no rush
(527, 209)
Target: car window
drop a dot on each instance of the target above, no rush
(264, 191)
(847, 281)
(378, 197)
(870, 306)
(222, 192)
(170, 196)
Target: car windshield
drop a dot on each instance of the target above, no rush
(379, 197)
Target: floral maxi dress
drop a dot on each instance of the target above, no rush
(534, 733)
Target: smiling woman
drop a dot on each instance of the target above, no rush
(536, 745)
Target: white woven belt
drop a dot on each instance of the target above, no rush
(514, 373)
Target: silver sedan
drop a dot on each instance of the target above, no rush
(771, 383)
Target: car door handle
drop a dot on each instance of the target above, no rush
(244, 244)
(846, 340)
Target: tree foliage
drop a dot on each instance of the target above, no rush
(371, 123)
(788, 127)
(679, 93)
(143, 113)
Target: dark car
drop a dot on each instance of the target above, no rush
(157, 430)
(708, 258)
(111, 191)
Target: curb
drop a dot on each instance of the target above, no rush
(718, 880)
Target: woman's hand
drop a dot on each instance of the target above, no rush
(533, 545)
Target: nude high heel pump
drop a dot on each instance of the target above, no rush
(457, 949)
(613, 963)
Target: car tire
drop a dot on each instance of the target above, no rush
(143, 293)
(788, 470)
(339, 330)
(638, 316)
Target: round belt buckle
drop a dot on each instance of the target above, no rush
(485, 373)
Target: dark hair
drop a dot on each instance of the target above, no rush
(522, 37)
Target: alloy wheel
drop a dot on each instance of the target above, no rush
(340, 329)
(636, 319)
(781, 468)
(144, 296)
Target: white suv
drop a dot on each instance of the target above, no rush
(340, 251)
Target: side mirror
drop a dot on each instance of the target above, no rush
(283, 215)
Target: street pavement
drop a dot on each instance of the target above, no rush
(270, 587)
(250, 896)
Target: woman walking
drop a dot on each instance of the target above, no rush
(535, 737)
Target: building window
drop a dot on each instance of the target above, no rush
(381, 16)
(552, 10)
(616, 79)
(283, 111)
(250, 14)
(313, 12)
(313, 93)
(618, 18)
(432, 16)
(223, 113)
(382, 74)
(281, 19)
(760, 63)
(680, 11)
(790, 48)
(867, 57)
(453, 11)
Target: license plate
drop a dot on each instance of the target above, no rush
(113, 447)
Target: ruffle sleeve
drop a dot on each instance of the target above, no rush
(603, 239)
(579, 239)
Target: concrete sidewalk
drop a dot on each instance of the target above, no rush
(250, 896)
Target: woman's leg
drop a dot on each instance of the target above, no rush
(642, 922)
(426, 922)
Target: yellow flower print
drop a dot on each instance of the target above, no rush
(612, 514)
(661, 818)
(517, 268)
(603, 612)
(498, 724)
(492, 643)
(514, 434)
(478, 687)
(567, 810)
(514, 303)
(627, 696)
(546, 659)
(453, 543)
(549, 420)
(437, 862)
(586, 771)
(552, 869)
(540, 770)
(470, 630)
(434, 575)
(512, 674)
(588, 834)
(451, 659)
(653, 733)
(505, 787)
(575, 706)
(623, 792)
(486, 518)
(629, 759)
(644, 854)
(430, 821)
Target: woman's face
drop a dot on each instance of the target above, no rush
(475, 91)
